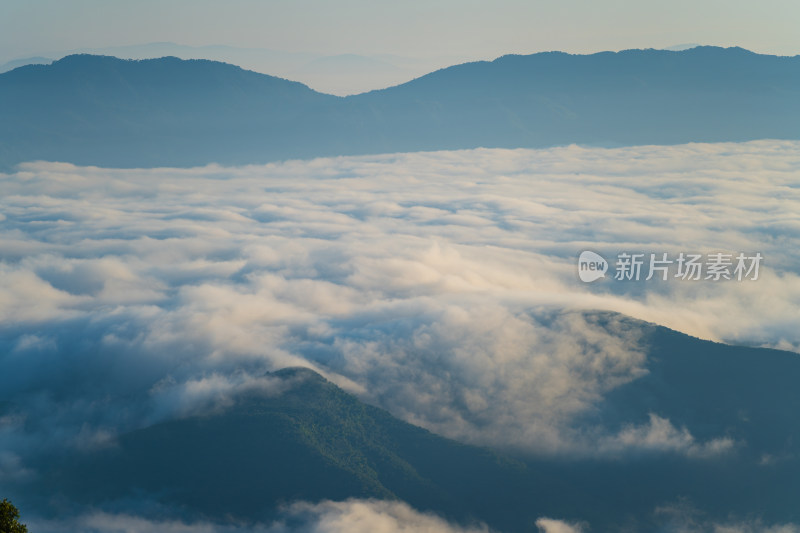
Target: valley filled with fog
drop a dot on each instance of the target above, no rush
(440, 286)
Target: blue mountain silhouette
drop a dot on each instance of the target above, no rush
(169, 112)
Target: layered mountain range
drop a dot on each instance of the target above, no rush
(99, 110)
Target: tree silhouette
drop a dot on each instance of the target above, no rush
(9, 519)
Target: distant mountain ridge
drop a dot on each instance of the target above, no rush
(334, 73)
(99, 110)
(16, 63)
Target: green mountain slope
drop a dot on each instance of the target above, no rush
(314, 441)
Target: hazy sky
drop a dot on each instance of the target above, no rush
(469, 28)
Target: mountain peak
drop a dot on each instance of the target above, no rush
(298, 372)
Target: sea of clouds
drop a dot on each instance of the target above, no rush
(373, 516)
(441, 286)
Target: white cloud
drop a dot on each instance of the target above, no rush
(351, 516)
(755, 527)
(683, 518)
(433, 283)
(371, 516)
(549, 525)
(485, 373)
(101, 522)
(659, 434)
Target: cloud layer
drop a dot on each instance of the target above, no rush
(371, 516)
(440, 286)
(351, 516)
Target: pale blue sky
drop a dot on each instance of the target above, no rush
(411, 27)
